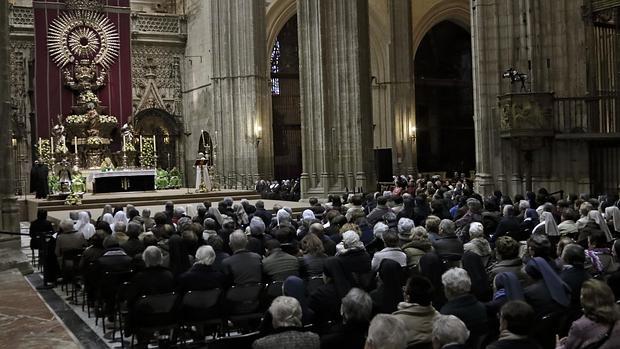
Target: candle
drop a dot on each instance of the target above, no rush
(141, 143)
(124, 143)
(40, 147)
(75, 144)
(154, 145)
(52, 145)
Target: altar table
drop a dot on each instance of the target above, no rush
(122, 180)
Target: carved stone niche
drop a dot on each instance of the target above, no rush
(526, 115)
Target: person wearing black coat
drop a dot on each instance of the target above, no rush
(38, 180)
(516, 321)
(262, 213)
(351, 333)
(509, 224)
(574, 275)
(326, 300)
(448, 243)
(152, 280)
(390, 290)
(463, 304)
(202, 275)
(39, 226)
(548, 294)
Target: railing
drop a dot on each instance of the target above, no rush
(586, 114)
(22, 17)
(160, 24)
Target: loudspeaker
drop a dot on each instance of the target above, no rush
(383, 164)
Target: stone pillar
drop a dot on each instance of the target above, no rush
(10, 245)
(240, 88)
(402, 85)
(334, 60)
(482, 49)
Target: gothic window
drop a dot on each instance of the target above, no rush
(275, 68)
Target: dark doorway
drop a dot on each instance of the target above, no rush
(285, 103)
(444, 100)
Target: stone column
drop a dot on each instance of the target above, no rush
(334, 59)
(10, 245)
(240, 88)
(483, 49)
(402, 85)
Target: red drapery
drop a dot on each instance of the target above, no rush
(51, 97)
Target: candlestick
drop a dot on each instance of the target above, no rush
(75, 144)
(52, 145)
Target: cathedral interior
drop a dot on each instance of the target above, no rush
(338, 96)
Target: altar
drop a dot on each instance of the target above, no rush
(122, 180)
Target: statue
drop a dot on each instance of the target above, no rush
(78, 185)
(107, 165)
(129, 136)
(58, 131)
(203, 181)
(93, 123)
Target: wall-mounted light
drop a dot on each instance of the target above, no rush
(258, 134)
(412, 133)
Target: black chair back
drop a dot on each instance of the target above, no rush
(243, 299)
(274, 289)
(314, 283)
(546, 329)
(238, 342)
(204, 299)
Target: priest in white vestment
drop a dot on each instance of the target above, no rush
(203, 181)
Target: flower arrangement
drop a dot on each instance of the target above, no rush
(94, 140)
(44, 151)
(77, 119)
(73, 199)
(147, 153)
(108, 119)
(128, 147)
(88, 97)
(53, 182)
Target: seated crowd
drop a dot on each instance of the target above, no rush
(427, 265)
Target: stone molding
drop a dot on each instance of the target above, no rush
(156, 78)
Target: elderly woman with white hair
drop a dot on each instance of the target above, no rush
(478, 243)
(386, 332)
(449, 332)
(461, 303)
(356, 310)
(286, 319)
(154, 279)
(353, 255)
(202, 275)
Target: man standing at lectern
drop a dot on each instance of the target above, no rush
(203, 181)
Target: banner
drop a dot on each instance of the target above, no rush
(58, 19)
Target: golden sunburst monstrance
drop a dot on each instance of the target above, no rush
(80, 34)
